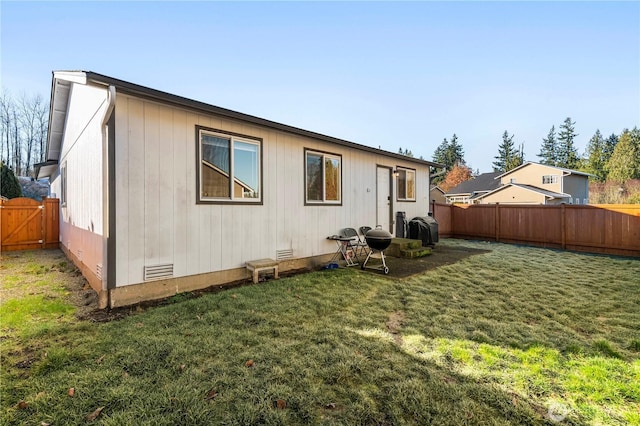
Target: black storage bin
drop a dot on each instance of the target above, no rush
(401, 224)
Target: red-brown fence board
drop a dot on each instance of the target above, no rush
(26, 224)
(442, 212)
(51, 223)
(610, 229)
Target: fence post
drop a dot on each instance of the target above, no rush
(497, 222)
(43, 223)
(563, 225)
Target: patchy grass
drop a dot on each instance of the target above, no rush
(35, 291)
(517, 335)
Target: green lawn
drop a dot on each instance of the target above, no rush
(517, 335)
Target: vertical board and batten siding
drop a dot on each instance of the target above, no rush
(81, 227)
(158, 220)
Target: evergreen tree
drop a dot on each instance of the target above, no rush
(440, 154)
(449, 153)
(455, 152)
(9, 184)
(609, 145)
(595, 160)
(624, 163)
(508, 156)
(567, 154)
(407, 152)
(548, 151)
(518, 159)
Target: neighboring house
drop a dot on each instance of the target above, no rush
(32, 188)
(534, 183)
(161, 194)
(437, 194)
(470, 191)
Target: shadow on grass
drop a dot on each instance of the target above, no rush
(350, 347)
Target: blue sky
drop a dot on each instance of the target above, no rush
(377, 73)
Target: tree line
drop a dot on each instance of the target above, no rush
(23, 132)
(615, 158)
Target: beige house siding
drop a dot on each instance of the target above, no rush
(532, 175)
(514, 195)
(437, 196)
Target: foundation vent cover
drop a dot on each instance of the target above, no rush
(157, 272)
(284, 254)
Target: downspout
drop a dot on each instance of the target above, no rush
(104, 299)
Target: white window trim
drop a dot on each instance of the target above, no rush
(324, 201)
(233, 138)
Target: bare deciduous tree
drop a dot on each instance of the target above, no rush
(23, 131)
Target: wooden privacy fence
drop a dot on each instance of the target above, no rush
(599, 228)
(26, 224)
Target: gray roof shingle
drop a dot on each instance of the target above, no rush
(482, 183)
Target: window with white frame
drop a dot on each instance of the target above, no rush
(406, 184)
(230, 167)
(549, 179)
(322, 177)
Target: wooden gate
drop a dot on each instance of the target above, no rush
(26, 224)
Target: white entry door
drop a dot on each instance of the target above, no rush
(383, 197)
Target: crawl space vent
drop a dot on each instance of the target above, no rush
(284, 254)
(157, 272)
(99, 271)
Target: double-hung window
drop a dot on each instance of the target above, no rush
(323, 177)
(548, 179)
(229, 167)
(406, 184)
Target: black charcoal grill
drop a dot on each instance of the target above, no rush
(378, 240)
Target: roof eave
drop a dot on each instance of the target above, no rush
(157, 95)
(45, 169)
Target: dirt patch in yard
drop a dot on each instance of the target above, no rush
(394, 326)
(442, 254)
(46, 273)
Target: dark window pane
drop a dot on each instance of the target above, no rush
(314, 177)
(402, 184)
